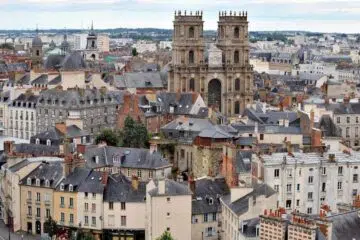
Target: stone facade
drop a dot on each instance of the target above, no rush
(225, 83)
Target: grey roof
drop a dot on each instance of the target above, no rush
(246, 141)
(53, 133)
(250, 227)
(172, 188)
(36, 149)
(215, 132)
(55, 81)
(270, 117)
(120, 189)
(24, 79)
(345, 225)
(206, 189)
(328, 127)
(37, 42)
(139, 80)
(75, 178)
(93, 183)
(348, 108)
(189, 124)
(42, 79)
(52, 171)
(243, 161)
(25, 100)
(69, 62)
(16, 167)
(241, 205)
(124, 157)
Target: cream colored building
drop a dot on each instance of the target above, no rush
(168, 208)
(11, 174)
(103, 43)
(243, 204)
(36, 196)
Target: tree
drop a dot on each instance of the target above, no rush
(50, 227)
(165, 236)
(108, 136)
(134, 52)
(134, 134)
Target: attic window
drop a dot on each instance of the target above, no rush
(48, 142)
(47, 183)
(96, 159)
(28, 181)
(38, 182)
(71, 188)
(148, 83)
(37, 141)
(61, 187)
(211, 201)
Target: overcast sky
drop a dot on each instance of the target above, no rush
(310, 15)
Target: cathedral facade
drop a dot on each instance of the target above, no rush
(221, 73)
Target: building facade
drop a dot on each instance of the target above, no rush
(226, 79)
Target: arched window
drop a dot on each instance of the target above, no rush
(93, 44)
(28, 181)
(37, 141)
(191, 57)
(192, 84)
(37, 53)
(236, 56)
(71, 188)
(48, 142)
(47, 183)
(37, 181)
(237, 107)
(236, 32)
(191, 32)
(237, 84)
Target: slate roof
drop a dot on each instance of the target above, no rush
(348, 108)
(250, 229)
(52, 171)
(189, 124)
(75, 178)
(124, 157)
(139, 80)
(215, 133)
(119, 189)
(55, 81)
(328, 127)
(69, 62)
(53, 133)
(25, 100)
(270, 117)
(93, 183)
(241, 205)
(345, 225)
(24, 79)
(206, 189)
(42, 79)
(36, 149)
(16, 167)
(172, 188)
(243, 161)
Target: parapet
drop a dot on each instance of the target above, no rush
(233, 15)
(197, 15)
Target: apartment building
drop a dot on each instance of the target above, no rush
(37, 194)
(305, 181)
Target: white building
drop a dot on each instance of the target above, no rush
(165, 44)
(80, 41)
(305, 181)
(144, 46)
(103, 42)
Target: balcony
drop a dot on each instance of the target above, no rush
(61, 223)
(29, 201)
(37, 217)
(29, 216)
(62, 205)
(71, 206)
(47, 203)
(71, 224)
(38, 202)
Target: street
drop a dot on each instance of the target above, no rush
(4, 234)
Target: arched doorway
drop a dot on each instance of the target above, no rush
(38, 227)
(214, 93)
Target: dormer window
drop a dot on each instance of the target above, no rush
(71, 188)
(47, 183)
(28, 181)
(211, 201)
(38, 182)
(37, 141)
(48, 142)
(61, 187)
(96, 159)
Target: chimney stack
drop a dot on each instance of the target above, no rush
(192, 184)
(8, 147)
(135, 183)
(161, 186)
(80, 148)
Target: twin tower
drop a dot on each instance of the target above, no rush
(220, 70)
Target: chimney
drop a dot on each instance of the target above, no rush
(161, 186)
(104, 178)
(312, 119)
(80, 148)
(192, 184)
(135, 183)
(8, 147)
(61, 127)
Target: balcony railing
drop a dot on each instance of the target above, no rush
(29, 201)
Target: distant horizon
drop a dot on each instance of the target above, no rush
(321, 16)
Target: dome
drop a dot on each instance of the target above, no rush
(37, 41)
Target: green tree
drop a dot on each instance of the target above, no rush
(165, 236)
(50, 227)
(109, 136)
(134, 134)
(134, 52)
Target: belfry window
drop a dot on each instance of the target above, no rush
(191, 32)
(236, 32)
(236, 56)
(191, 57)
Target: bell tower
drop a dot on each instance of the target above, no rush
(188, 51)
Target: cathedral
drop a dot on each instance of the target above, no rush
(221, 73)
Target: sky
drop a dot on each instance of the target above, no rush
(264, 15)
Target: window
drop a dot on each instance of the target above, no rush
(298, 187)
(61, 187)
(339, 185)
(237, 84)
(288, 203)
(237, 107)
(192, 84)
(111, 206)
(276, 187)
(347, 132)
(347, 119)
(261, 136)
(206, 217)
(354, 192)
(86, 207)
(37, 182)
(38, 197)
(28, 181)
(86, 220)
(123, 206)
(297, 202)
(191, 57)
(62, 202)
(111, 220)
(62, 218)
(94, 195)
(289, 172)
(93, 221)
(309, 210)
(191, 32)
(47, 213)
(355, 178)
(214, 216)
(276, 173)
(48, 142)
(168, 214)
(71, 202)
(139, 173)
(340, 170)
(123, 220)
(71, 188)
(310, 196)
(236, 32)
(322, 199)
(323, 170)
(236, 56)
(47, 183)
(357, 119)
(288, 187)
(311, 179)
(210, 231)
(168, 199)
(71, 219)
(29, 210)
(323, 187)
(93, 207)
